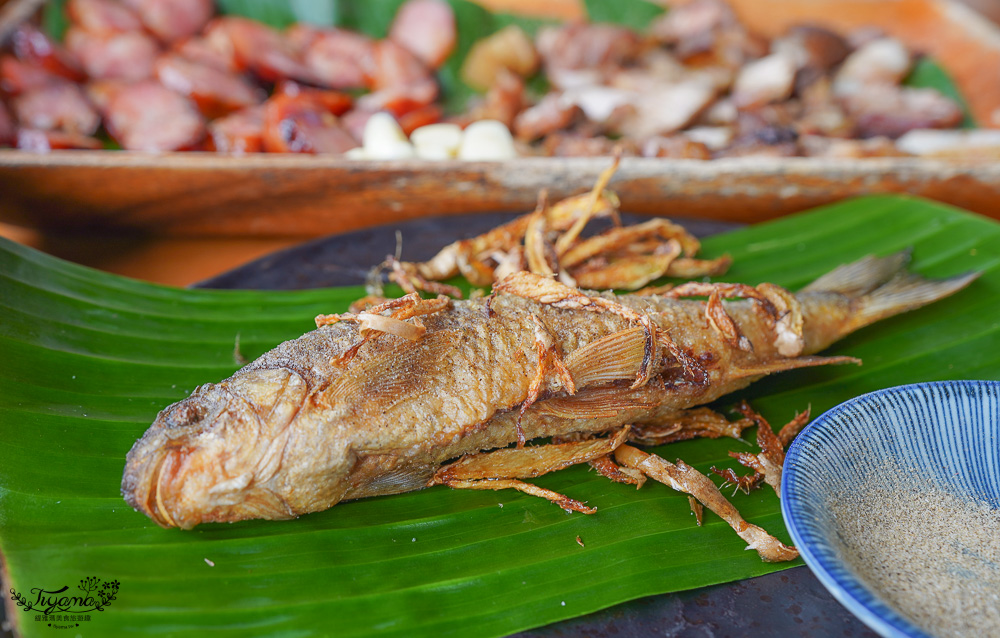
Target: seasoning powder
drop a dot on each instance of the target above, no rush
(931, 555)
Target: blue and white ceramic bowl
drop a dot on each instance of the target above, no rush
(948, 430)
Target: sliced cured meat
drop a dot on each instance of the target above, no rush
(400, 100)
(892, 111)
(586, 46)
(17, 76)
(821, 114)
(117, 56)
(216, 52)
(550, 115)
(61, 106)
(102, 16)
(38, 141)
(334, 101)
(881, 61)
(303, 124)
(765, 80)
(768, 131)
(693, 26)
(338, 58)
(394, 67)
(216, 92)
(301, 35)
(427, 29)
(262, 50)
(147, 116)
(31, 45)
(173, 20)
(504, 100)
(768, 124)
(400, 82)
(707, 32)
(664, 109)
(412, 120)
(812, 47)
(354, 121)
(238, 133)
(100, 93)
(599, 102)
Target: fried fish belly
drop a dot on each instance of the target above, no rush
(353, 409)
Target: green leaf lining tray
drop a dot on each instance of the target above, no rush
(89, 358)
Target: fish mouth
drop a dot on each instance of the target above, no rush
(156, 509)
(144, 485)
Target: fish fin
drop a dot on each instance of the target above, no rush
(904, 292)
(527, 462)
(391, 375)
(561, 500)
(616, 356)
(862, 276)
(595, 403)
(687, 424)
(378, 474)
(780, 365)
(551, 292)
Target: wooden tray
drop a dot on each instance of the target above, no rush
(200, 194)
(207, 195)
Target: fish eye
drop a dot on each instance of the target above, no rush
(183, 414)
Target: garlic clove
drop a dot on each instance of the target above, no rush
(384, 139)
(487, 140)
(437, 141)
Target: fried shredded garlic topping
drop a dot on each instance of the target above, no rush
(549, 242)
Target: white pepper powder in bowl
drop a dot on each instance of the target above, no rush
(893, 499)
(931, 554)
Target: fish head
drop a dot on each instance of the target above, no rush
(212, 456)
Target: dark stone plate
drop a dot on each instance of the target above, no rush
(788, 603)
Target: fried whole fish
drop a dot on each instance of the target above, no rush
(379, 402)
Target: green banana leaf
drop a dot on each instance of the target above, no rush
(636, 14)
(89, 358)
(928, 74)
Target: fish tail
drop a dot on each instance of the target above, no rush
(880, 287)
(862, 276)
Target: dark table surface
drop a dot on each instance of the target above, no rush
(788, 603)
